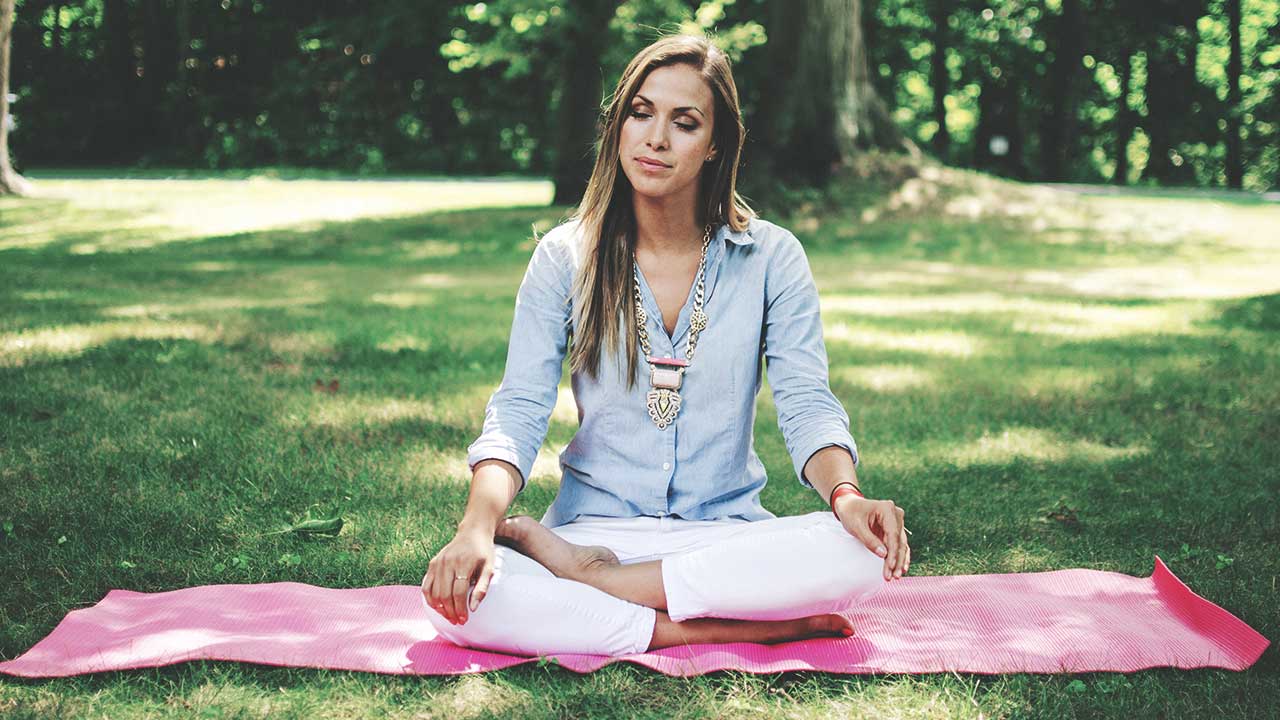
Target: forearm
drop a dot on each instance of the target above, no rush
(827, 468)
(493, 486)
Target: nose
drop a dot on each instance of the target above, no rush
(658, 136)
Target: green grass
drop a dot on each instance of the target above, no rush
(1009, 356)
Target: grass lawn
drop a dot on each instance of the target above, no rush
(1042, 379)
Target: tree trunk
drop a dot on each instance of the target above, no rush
(1173, 92)
(115, 128)
(998, 125)
(11, 183)
(158, 72)
(938, 13)
(1235, 163)
(1059, 126)
(1124, 118)
(820, 109)
(861, 120)
(580, 94)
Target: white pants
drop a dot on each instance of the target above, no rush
(776, 569)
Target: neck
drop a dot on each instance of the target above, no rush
(666, 226)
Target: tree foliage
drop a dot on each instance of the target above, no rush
(1077, 90)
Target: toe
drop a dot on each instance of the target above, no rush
(831, 624)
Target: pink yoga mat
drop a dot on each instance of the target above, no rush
(1073, 620)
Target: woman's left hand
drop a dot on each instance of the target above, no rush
(878, 524)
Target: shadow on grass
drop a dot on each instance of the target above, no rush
(1001, 454)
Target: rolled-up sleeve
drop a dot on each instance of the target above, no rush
(809, 415)
(516, 416)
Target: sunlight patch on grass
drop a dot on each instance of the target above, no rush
(566, 409)
(1019, 558)
(435, 280)
(452, 463)
(1029, 443)
(147, 213)
(951, 344)
(1188, 280)
(876, 279)
(69, 340)
(214, 266)
(403, 299)
(1001, 447)
(1055, 380)
(404, 341)
(1167, 221)
(428, 249)
(1073, 319)
(161, 310)
(356, 410)
(475, 695)
(885, 377)
(299, 344)
(38, 295)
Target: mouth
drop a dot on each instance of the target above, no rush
(650, 163)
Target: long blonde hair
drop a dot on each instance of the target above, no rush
(603, 289)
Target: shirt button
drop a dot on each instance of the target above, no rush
(666, 466)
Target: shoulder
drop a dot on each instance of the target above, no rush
(562, 244)
(779, 250)
(771, 239)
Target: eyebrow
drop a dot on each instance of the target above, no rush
(649, 102)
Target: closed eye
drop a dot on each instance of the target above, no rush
(686, 128)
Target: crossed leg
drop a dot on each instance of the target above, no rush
(721, 599)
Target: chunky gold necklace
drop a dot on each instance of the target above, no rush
(665, 373)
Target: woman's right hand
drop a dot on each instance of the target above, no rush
(470, 555)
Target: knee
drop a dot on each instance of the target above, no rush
(489, 627)
(853, 572)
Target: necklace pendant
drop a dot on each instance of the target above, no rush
(663, 376)
(664, 405)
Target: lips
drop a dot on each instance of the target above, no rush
(651, 163)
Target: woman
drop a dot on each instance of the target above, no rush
(657, 536)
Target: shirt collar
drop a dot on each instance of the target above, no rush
(740, 238)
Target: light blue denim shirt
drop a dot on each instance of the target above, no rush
(761, 302)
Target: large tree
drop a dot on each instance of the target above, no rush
(1234, 161)
(822, 108)
(11, 183)
(586, 36)
(1059, 124)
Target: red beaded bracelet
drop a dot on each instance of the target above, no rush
(837, 491)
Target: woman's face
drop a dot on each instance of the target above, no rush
(669, 120)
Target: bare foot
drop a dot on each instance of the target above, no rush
(825, 625)
(561, 557)
(667, 633)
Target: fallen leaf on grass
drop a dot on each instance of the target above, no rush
(1065, 515)
(314, 526)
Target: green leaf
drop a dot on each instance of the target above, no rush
(1077, 686)
(220, 567)
(328, 526)
(313, 526)
(127, 565)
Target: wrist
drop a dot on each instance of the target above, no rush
(844, 494)
(478, 526)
